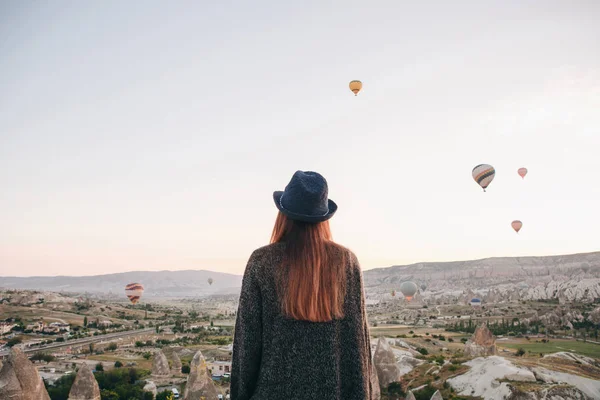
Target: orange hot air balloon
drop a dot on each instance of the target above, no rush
(522, 172)
(134, 292)
(516, 225)
(393, 293)
(355, 86)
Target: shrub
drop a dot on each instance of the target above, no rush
(112, 347)
(118, 364)
(185, 369)
(99, 367)
(423, 351)
(520, 352)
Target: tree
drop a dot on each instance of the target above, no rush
(520, 352)
(85, 321)
(112, 347)
(395, 391)
(91, 346)
(13, 341)
(147, 355)
(99, 367)
(185, 369)
(118, 364)
(164, 395)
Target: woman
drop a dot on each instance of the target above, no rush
(301, 329)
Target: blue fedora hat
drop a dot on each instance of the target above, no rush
(305, 198)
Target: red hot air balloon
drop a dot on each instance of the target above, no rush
(517, 225)
(134, 292)
(522, 172)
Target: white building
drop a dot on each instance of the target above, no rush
(5, 327)
(219, 368)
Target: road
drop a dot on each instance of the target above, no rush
(78, 342)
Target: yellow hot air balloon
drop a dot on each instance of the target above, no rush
(355, 86)
(522, 172)
(517, 225)
(483, 174)
(134, 292)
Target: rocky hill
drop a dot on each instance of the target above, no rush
(156, 283)
(569, 278)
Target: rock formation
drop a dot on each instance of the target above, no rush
(176, 363)
(385, 364)
(160, 365)
(199, 382)
(85, 386)
(151, 387)
(376, 395)
(19, 380)
(437, 396)
(481, 344)
(410, 396)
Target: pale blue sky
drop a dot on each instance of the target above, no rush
(151, 134)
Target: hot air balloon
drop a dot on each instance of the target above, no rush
(355, 86)
(522, 172)
(210, 281)
(408, 289)
(423, 286)
(516, 225)
(393, 293)
(484, 175)
(134, 292)
(475, 302)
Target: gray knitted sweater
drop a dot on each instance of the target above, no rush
(275, 357)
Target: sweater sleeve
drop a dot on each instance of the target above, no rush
(365, 322)
(247, 342)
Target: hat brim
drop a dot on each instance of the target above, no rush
(302, 217)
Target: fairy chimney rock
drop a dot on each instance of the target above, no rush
(160, 365)
(85, 386)
(481, 344)
(19, 379)
(199, 383)
(385, 363)
(176, 363)
(410, 396)
(150, 387)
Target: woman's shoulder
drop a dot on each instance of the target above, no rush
(347, 254)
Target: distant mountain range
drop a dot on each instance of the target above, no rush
(571, 276)
(188, 283)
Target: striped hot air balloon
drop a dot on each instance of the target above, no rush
(134, 292)
(484, 175)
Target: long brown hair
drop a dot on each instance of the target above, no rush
(312, 279)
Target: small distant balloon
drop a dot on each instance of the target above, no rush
(517, 225)
(522, 172)
(210, 281)
(134, 292)
(475, 302)
(408, 289)
(423, 286)
(355, 86)
(484, 174)
(393, 293)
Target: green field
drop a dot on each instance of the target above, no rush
(586, 349)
